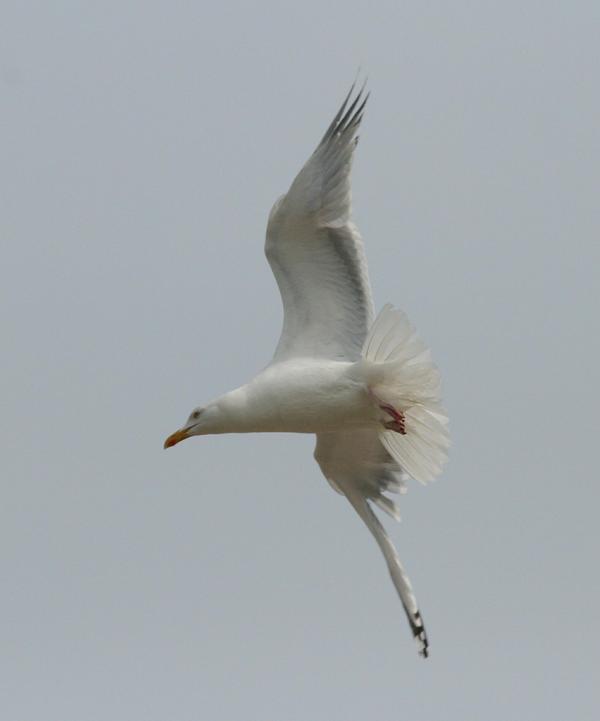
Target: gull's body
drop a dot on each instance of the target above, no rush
(301, 395)
(367, 388)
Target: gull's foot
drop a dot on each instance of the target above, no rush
(398, 422)
(396, 426)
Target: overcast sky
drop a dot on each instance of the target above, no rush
(142, 146)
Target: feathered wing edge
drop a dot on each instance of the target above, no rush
(397, 572)
(359, 467)
(316, 252)
(322, 187)
(347, 117)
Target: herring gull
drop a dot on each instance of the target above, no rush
(365, 386)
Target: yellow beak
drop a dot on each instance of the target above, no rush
(174, 438)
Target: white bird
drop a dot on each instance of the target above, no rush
(367, 388)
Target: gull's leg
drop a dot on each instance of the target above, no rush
(398, 422)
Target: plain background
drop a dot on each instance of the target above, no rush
(143, 144)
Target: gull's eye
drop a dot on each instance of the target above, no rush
(196, 415)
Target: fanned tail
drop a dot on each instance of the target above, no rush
(403, 376)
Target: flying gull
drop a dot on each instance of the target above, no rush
(365, 386)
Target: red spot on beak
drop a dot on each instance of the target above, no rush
(174, 438)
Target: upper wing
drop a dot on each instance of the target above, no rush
(316, 252)
(359, 466)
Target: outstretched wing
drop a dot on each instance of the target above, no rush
(357, 465)
(316, 252)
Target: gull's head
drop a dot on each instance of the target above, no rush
(202, 420)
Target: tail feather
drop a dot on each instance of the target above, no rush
(403, 375)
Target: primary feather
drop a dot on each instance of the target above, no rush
(316, 252)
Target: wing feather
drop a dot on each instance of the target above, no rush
(316, 252)
(357, 465)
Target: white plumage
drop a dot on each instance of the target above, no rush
(367, 388)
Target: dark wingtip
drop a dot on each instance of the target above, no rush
(419, 633)
(349, 115)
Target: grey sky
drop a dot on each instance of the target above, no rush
(142, 146)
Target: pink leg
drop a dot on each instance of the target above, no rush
(398, 423)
